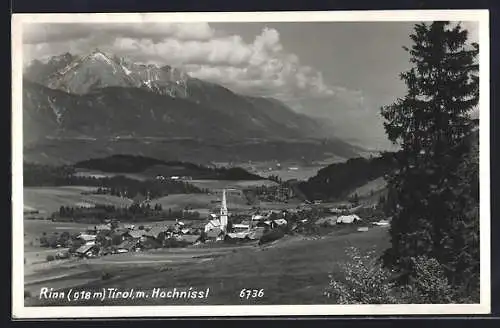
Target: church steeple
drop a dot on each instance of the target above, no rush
(223, 207)
(223, 211)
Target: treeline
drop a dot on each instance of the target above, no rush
(130, 188)
(37, 175)
(139, 164)
(43, 175)
(132, 213)
(337, 180)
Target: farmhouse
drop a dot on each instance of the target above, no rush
(127, 246)
(353, 218)
(87, 251)
(215, 234)
(212, 224)
(240, 227)
(87, 238)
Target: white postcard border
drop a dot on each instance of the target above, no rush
(19, 311)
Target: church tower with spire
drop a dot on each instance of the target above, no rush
(223, 212)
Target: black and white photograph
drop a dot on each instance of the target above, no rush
(219, 164)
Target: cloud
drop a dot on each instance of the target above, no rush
(60, 32)
(261, 66)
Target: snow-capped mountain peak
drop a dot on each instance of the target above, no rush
(98, 70)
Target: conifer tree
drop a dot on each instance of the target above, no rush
(431, 123)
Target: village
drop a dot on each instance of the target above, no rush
(218, 228)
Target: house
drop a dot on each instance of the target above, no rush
(240, 227)
(215, 233)
(238, 235)
(280, 222)
(349, 219)
(86, 237)
(213, 224)
(87, 251)
(127, 246)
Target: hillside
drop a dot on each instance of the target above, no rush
(48, 175)
(365, 177)
(152, 167)
(339, 179)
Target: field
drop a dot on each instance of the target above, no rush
(375, 185)
(48, 199)
(100, 174)
(202, 203)
(231, 184)
(293, 270)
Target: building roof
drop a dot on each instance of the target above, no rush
(127, 244)
(87, 237)
(240, 225)
(137, 233)
(215, 223)
(348, 218)
(280, 221)
(238, 235)
(84, 249)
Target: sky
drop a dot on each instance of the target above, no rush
(342, 72)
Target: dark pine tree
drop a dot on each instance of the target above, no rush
(431, 124)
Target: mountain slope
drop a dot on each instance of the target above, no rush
(87, 74)
(113, 111)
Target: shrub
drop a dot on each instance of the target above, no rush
(27, 294)
(365, 281)
(50, 258)
(429, 284)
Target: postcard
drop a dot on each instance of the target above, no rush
(250, 164)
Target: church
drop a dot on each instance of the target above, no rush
(219, 222)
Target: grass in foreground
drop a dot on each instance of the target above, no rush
(289, 272)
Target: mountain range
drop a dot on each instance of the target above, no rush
(103, 97)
